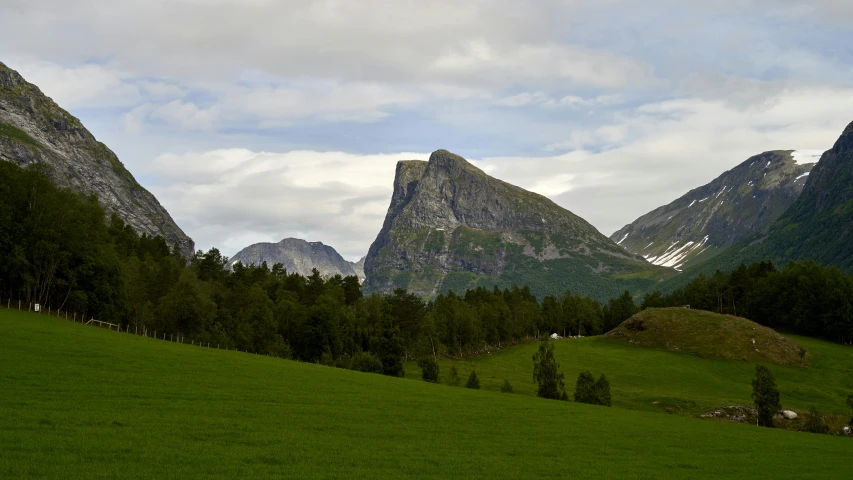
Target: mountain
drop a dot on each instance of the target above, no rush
(299, 256)
(742, 201)
(818, 226)
(452, 227)
(34, 129)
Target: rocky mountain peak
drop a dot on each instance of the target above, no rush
(298, 256)
(845, 141)
(448, 220)
(34, 129)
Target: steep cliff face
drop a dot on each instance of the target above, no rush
(298, 256)
(34, 129)
(707, 220)
(451, 227)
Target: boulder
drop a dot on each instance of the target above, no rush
(790, 415)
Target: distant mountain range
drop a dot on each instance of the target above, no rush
(451, 227)
(34, 129)
(707, 220)
(299, 256)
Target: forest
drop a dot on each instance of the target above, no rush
(56, 249)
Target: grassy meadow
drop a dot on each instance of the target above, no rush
(82, 402)
(668, 381)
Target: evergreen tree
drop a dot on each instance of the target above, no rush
(602, 391)
(453, 376)
(473, 382)
(585, 391)
(546, 373)
(850, 404)
(506, 387)
(429, 369)
(766, 396)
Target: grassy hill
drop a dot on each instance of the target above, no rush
(651, 379)
(709, 335)
(81, 402)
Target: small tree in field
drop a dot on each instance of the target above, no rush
(766, 396)
(506, 387)
(546, 373)
(850, 404)
(429, 369)
(453, 376)
(815, 423)
(602, 391)
(473, 382)
(585, 388)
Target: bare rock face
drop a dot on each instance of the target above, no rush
(34, 129)
(298, 256)
(452, 227)
(701, 224)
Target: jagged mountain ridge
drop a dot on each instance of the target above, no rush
(298, 256)
(450, 226)
(818, 226)
(34, 129)
(742, 201)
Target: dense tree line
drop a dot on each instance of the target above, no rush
(803, 297)
(57, 250)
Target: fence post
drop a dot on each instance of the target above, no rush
(19, 305)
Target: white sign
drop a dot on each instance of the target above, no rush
(38, 307)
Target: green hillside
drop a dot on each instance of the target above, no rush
(81, 402)
(651, 379)
(709, 335)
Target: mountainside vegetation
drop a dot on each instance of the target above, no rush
(802, 297)
(450, 227)
(709, 219)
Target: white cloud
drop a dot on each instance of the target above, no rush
(234, 197)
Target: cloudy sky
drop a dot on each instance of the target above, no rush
(256, 120)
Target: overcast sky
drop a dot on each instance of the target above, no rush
(256, 120)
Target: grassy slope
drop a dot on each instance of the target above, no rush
(709, 335)
(678, 381)
(79, 402)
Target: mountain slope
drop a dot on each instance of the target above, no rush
(701, 224)
(451, 227)
(818, 226)
(34, 129)
(298, 256)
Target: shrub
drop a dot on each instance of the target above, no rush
(815, 423)
(506, 387)
(429, 369)
(453, 376)
(546, 373)
(766, 396)
(473, 382)
(850, 404)
(585, 388)
(366, 362)
(602, 391)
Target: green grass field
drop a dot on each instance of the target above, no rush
(675, 382)
(82, 402)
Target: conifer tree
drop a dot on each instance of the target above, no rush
(546, 373)
(473, 382)
(766, 396)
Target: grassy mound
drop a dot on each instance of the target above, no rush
(82, 402)
(709, 335)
